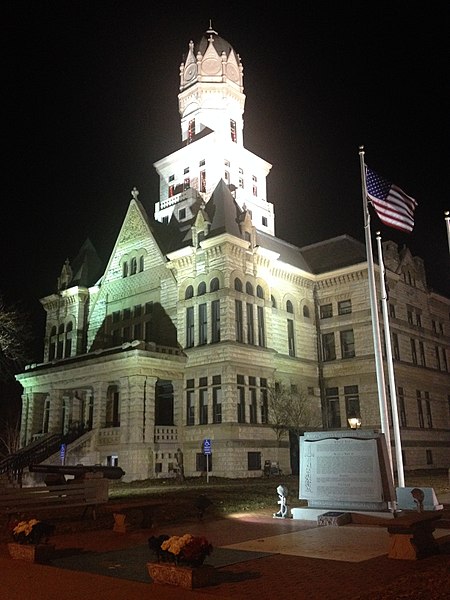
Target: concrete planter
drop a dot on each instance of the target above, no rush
(182, 576)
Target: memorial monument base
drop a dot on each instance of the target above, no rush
(312, 514)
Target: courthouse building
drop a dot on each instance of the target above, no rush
(202, 310)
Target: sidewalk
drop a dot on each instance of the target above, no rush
(271, 576)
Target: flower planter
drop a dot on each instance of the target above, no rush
(182, 576)
(39, 553)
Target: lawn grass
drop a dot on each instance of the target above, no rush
(241, 495)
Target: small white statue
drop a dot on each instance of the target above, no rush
(283, 513)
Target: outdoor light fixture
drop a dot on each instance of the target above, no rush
(354, 422)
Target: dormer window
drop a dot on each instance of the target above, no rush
(201, 163)
(171, 178)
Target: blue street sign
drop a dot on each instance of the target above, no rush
(207, 446)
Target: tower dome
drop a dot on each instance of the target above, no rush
(212, 60)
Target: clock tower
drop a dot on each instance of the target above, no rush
(211, 105)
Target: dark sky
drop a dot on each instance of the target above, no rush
(91, 103)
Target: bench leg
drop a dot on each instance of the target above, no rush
(412, 546)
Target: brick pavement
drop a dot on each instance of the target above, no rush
(275, 576)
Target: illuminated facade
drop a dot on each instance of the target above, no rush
(202, 309)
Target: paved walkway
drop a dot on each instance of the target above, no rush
(270, 577)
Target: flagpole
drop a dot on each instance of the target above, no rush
(374, 312)
(447, 220)
(390, 366)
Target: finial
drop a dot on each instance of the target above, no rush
(211, 30)
(135, 193)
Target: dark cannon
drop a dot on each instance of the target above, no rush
(55, 474)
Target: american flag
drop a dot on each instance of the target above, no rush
(392, 205)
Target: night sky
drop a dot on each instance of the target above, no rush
(91, 103)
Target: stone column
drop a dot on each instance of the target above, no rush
(135, 410)
(99, 389)
(55, 424)
(149, 422)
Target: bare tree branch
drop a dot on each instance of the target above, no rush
(15, 340)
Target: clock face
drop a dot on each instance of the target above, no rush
(232, 72)
(190, 72)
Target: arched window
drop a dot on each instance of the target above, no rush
(249, 288)
(53, 331)
(238, 284)
(125, 269)
(289, 307)
(273, 301)
(61, 328)
(259, 291)
(133, 266)
(214, 285)
(69, 326)
(306, 311)
(189, 293)
(201, 290)
(141, 263)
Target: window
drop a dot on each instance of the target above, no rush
(254, 461)
(333, 409)
(181, 214)
(264, 400)
(203, 462)
(344, 307)
(352, 401)
(326, 311)
(214, 285)
(428, 410)
(306, 311)
(410, 317)
(420, 410)
(264, 221)
(392, 311)
(328, 347)
(125, 269)
(215, 321)
(273, 302)
(201, 290)
(238, 285)
(347, 344)
(189, 293)
(422, 354)
(190, 327)
(252, 397)
(112, 417)
(191, 131)
(418, 320)
(217, 399)
(291, 339)
(250, 324)
(413, 352)
(429, 455)
(239, 324)
(395, 346)
(190, 402)
(233, 130)
(133, 266)
(241, 399)
(203, 181)
(289, 307)
(261, 326)
(249, 289)
(203, 401)
(402, 408)
(202, 324)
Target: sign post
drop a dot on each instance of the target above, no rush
(207, 452)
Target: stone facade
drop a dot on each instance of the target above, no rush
(201, 314)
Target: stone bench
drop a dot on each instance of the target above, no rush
(411, 535)
(27, 501)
